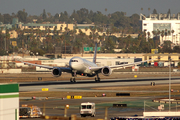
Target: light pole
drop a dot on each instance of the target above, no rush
(37, 54)
(169, 84)
(31, 53)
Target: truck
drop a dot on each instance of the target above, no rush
(87, 109)
(24, 112)
(29, 111)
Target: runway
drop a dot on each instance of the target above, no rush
(85, 85)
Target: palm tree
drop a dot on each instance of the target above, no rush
(101, 39)
(107, 33)
(155, 33)
(7, 38)
(158, 34)
(169, 33)
(165, 33)
(149, 9)
(96, 36)
(162, 35)
(172, 32)
(148, 33)
(90, 36)
(82, 35)
(22, 34)
(144, 34)
(43, 34)
(1, 39)
(62, 37)
(40, 34)
(105, 9)
(18, 31)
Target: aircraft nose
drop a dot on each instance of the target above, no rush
(74, 66)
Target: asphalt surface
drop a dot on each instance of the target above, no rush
(55, 106)
(86, 85)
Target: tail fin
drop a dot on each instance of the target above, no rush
(94, 58)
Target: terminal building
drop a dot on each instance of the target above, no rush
(166, 26)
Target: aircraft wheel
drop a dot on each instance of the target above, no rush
(96, 80)
(99, 79)
(83, 115)
(92, 115)
(71, 80)
(74, 80)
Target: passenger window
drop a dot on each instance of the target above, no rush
(83, 106)
(88, 106)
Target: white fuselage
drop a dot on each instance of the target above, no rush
(81, 65)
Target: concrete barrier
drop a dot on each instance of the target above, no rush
(164, 114)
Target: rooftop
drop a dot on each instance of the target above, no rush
(160, 17)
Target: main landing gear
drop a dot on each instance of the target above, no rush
(97, 79)
(73, 79)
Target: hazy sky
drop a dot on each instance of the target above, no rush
(35, 7)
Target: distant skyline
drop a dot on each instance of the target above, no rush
(35, 7)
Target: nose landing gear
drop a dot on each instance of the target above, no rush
(73, 79)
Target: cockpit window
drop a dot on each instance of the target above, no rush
(74, 60)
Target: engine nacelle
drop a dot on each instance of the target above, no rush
(56, 72)
(106, 71)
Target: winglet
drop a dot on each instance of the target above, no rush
(95, 51)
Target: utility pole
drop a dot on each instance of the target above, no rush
(106, 113)
(44, 109)
(169, 84)
(65, 111)
(82, 49)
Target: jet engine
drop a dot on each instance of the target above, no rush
(56, 72)
(106, 71)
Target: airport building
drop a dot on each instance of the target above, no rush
(162, 60)
(168, 26)
(47, 26)
(9, 102)
(8, 65)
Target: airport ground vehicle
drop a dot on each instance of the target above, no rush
(24, 112)
(29, 111)
(87, 109)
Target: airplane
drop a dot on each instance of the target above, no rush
(83, 67)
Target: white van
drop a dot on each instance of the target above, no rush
(87, 109)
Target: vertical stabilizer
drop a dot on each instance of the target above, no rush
(95, 51)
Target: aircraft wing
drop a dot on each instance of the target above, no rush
(63, 69)
(43, 66)
(119, 66)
